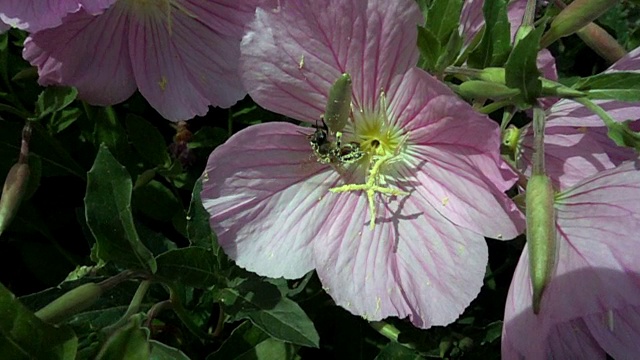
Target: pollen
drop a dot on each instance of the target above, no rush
(382, 143)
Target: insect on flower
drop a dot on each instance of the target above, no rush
(326, 141)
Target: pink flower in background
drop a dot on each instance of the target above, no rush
(576, 141)
(592, 305)
(181, 55)
(35, 15)
(270, 200)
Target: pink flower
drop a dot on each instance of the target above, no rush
(35, 15)
(272, 204)
(576, 141)
(182, 55)
(592, 305)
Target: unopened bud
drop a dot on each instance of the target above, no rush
(493, 74)
(478, 89)
(70, 303)
(574, 17)
(541, 234)
(12, 193)
(339, 104)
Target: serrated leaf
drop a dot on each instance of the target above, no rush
(53, 99)
(128, 342)
(147, 140)
(521, 70)
(496, 39)
(192, 266)
(24, 336)
(621, 86)
(198, 228)
(280, 317)
(160, 351)
(108, 213)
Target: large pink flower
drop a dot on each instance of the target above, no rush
(592, 305)
(270, 200)
(35, 15)
(181, 54)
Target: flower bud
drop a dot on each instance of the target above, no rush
(338, 104)
(12, 193)
(541, 234)
(478, 89)
(70, 303)
(574, 17)
(493, 74)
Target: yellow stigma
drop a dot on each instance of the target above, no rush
(383, 142)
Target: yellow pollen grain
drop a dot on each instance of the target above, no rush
(445, 201)
(610, 320)
(163, 83)
(378, 303)
(301, 63)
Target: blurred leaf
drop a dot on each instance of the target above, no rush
(53, 99)
(207, 137)
(198, 228)
(147, 140)
(24, 336)
(191, 266)
(160, 351)
(155, 200)
(129, 342)
(622, 86)
(429, 47)
(263, 304)
(496, 39)
(108, 213)
(395, 351)
(493, 332)
(108, 131)
(521, 70)
(63, 119)
(250, 343)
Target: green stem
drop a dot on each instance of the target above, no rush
(389, 331)
(596, 109)
(133, 306)
(488, 109)
(538, 141)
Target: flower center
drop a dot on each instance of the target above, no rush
(382, 143)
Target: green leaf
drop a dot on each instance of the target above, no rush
(147, 140)
(108, 131)
(108, 213)
(24, 336)
(429, 47)
(279, 317)
(395, 351)
(54, 99)
(521, 70)
(63, 119)
(193, 266)
(128, 342)
(207, 137)
(160, 351)
(443, 18)
(496, 39)
(156, 200)
(622, 135)
(249, 342)
(198, 228)
(622, 86)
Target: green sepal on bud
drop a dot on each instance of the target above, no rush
(541, 234)
(70, 303)
(13, 192)
(574, 17)
(479, 89)
(338, 108)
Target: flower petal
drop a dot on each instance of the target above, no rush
(88, 52)
(455, 157)
(414, 263)
(292, 54)
(597, 272)
(36, 15)
(617, 331)
(183, 65)
(263, 189)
